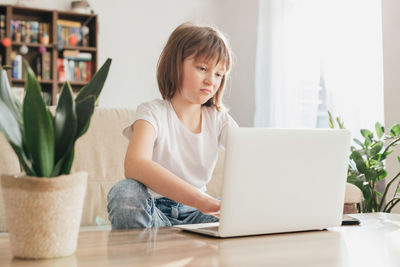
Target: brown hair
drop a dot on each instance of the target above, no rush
(187, 40)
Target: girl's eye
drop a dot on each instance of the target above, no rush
(219, 75)
(202, 68)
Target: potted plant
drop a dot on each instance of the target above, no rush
(367, 166)
(43, 205)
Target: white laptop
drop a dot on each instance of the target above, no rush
(281, 180)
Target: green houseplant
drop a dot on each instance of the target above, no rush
(367, 166)
(44, 144)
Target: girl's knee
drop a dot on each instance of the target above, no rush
(130, 205)
(128, 188)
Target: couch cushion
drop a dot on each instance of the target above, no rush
(8, 165)
(101, 152)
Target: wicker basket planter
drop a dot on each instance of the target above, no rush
(43, 214)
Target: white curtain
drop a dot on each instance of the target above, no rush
(319, 55)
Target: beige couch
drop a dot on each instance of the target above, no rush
(101, 153)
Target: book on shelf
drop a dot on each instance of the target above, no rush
(39, 68)
(77, 55)
(66, 29)
(42, 66)
(74, 70)
(16, 62)
(30, 31)
(46, 66)
(61, 70)
(2, 26)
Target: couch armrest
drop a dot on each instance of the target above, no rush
(353, 194)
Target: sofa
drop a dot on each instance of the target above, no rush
(101, 153)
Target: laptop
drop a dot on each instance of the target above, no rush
(280, 180)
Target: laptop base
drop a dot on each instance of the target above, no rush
(210, 229)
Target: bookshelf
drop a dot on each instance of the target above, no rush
(58, 45)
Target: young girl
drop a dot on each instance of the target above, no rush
(174, 142)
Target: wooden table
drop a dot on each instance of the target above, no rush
(375, 243)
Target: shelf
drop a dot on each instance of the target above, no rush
(23, 81)
(81, 48)
(50, 63)
(74, 83)
(74, 15)
(32, 44)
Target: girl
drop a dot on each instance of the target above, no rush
(174, 142)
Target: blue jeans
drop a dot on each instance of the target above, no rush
(130, 205)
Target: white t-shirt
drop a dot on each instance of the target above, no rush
(190, 156)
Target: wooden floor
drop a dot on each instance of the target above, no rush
(375, 243)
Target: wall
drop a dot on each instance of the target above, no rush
(148, 24)
(133, 34)
(238, 19)
(391, 60)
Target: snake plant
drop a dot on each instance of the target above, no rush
(43, 142)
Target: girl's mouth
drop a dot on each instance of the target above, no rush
(206, 91)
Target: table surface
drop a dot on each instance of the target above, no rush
(376, 242)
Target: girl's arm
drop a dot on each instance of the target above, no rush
(140, 166)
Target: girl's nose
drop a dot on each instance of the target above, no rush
(209, 80)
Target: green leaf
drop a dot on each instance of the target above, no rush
(359, 161)
(66, 168)
(352, 178)
(24, 161)
(361, 183)
(371, 175)
(382, 174)
(9, 125)
(331, 122)
(367, 134)
(63, 166)
(367, 142)
(65, 123)
(395, 131)
(376, 148)
(340, 123)
(38, 125)
(358, 142)
(84, 111)
(380, 130)
(8, 97)
(96, 84)
(10, 128)
(377, 157)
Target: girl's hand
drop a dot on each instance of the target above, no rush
(209, 205)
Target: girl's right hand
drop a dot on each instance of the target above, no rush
(209, 205)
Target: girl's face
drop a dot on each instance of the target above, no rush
(200, 79)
